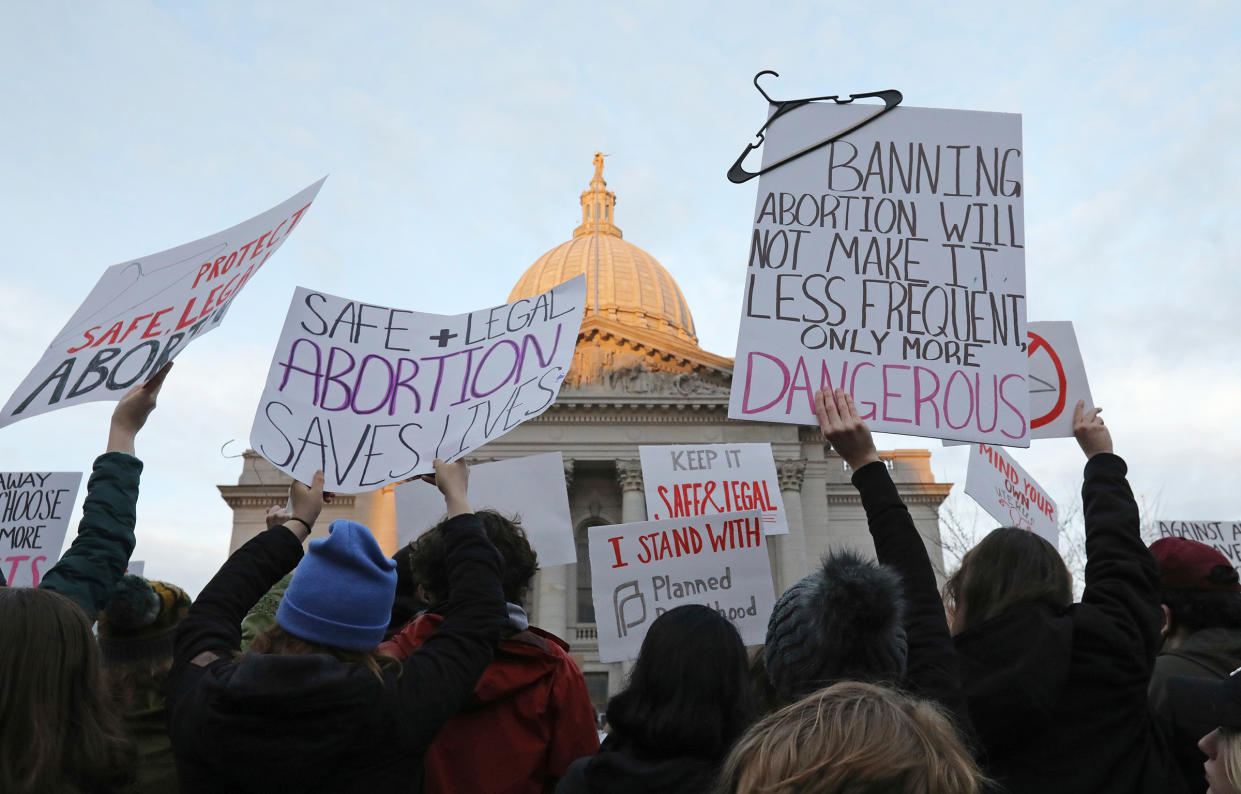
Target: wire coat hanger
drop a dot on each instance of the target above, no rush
(737, 174)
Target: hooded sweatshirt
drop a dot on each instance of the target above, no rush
(309, 723)
(527, 719)
(1057, 695)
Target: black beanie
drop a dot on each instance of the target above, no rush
(844, 622)
(138, 624)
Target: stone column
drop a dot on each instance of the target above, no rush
(553, 584)
(633, 499)
(792, 547)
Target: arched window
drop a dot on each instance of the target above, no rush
(585, 605)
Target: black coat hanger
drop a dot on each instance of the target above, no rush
(891, 98)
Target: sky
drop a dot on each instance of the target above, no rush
(457, 138)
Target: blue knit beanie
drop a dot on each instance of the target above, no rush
(341, 594)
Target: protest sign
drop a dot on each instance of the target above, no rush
(136, 567)
(1223, 536)
(1012, 497)
(639, 571)
(531, 489)
(372, 395)
(35, 508)
(694, 479)
(890, 263)
(144, 312)
(1057, 379)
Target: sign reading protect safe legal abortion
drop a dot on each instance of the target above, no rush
(1008, 494)
(890, 264)
(639, 571)
(35, 508)
(372, 395)
(683, 480)
(144, 312)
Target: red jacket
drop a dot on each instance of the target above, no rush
(528, 718)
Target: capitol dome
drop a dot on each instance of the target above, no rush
(623, 283)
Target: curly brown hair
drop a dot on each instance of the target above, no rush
(428, 557)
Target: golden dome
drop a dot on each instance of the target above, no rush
(623, 283)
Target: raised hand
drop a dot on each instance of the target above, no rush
(453, 480)
(841, 425)
(277, 515)
(306, 502)
(1089, 430)
(132, 411)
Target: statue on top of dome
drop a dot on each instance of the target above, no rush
(599, 165)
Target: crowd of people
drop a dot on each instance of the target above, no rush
(330, 667)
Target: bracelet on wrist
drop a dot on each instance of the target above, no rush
(300, 521)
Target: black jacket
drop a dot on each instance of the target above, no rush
(308, 723)
(933, 670)
(1058, 695)
(620, 768)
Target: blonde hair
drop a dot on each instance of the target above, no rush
(1230, 754)
(852, 738)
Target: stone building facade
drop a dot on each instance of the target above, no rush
(638, 377)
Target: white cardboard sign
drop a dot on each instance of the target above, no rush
(641, 570)
(35, 508)
(1223, 536)
(1012, 497)
(1057, 379)
(890, 263)
(684, 480)
(372, 395)
(531, 489)
(136, 567)
(144, 312)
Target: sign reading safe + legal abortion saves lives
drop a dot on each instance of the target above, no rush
(890, 263)
(640, 571)
(373, 395)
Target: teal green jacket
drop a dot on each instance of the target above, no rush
(89, 570)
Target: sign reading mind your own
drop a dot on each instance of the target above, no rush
(142, 313)
(373, 395)
(891, 264)
(640, 571)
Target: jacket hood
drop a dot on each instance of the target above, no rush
(1215, 650)
(1015, 667)
(617, 770)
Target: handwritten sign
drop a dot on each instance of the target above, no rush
(1012, 497)
(1223, 536)
(144, 312)
(692, 480)
(531, 489)
(372, 395)
(891, 264)
(35, 508)
(641, 570)
(1057, 379)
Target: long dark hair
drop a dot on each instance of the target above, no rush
(58, 731)
(1010, 566)
(689, 692)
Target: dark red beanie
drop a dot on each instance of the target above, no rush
(1186, 564)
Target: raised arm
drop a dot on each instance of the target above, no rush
(933, 667)
(439, 676)
(213, 626)
(1122, 578)
(89, 570)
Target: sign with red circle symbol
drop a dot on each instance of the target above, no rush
(1057, 379)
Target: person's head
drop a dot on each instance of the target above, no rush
(339, 600)
(1222, 747)
(845, 621)
(689, 691)
(1010, 566)
(1198, 587)
(428, 557)
(136, 632)
(852, 738)
(57, 729)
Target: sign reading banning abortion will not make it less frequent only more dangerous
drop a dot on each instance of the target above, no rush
(890, 263)
(639, 571)
(144, 312)
(373, 395)
(35, 508)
